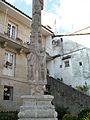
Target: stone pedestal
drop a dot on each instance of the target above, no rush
(37, 107)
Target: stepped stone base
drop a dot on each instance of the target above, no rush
(37, 107)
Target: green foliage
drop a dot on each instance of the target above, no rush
(83, 114)
(61, 111)
(63, 114)
(83, 88)
(69, 117)
(88, 117)
(9, 115)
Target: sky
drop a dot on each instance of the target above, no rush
(63, 16)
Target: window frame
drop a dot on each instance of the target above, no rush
(8, 93)
(80, 63)
(9, 63)
(67, 63)
(10, 31)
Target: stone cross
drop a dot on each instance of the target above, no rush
(36, 56)
(37, 106)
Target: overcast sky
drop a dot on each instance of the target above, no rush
(62, 15)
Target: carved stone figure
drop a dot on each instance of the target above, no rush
(37, 106)
(41, 2)
(37, 55)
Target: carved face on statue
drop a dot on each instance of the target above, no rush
(41, 2)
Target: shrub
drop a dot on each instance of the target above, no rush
(88, 117)
(10, 115)
(83, 114)
(61, 111)
(69, 117)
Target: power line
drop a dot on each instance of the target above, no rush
(71, 35)
(82, 29)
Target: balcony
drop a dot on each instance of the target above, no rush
(17, 43)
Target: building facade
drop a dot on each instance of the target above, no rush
(15, 31)
(70, 60)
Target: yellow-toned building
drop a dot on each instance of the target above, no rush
(15, 31)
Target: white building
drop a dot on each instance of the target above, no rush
(70, 59)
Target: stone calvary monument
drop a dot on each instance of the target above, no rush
(37, 106)
(36, 58)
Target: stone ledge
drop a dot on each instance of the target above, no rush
(42, 97)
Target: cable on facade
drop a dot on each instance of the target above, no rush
(71, 35)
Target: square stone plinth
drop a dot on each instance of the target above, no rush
(37, 107)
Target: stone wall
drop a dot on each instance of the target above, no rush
(19, 89)
(67, 97)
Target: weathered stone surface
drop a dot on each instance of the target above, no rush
(67, 97)
(37, 56)
(37, 107)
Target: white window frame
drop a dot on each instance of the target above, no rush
(9, 63)
(11, 30)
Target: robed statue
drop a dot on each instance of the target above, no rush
(41, 2)
(37, 55)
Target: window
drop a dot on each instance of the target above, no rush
(9, 64)
(61, 79)
(60, 66)
(80, 63)
(61, 39)
(11, 30)
(8, 93)
(67, 63)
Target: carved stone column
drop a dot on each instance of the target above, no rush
(37, 56)
(37, 106)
